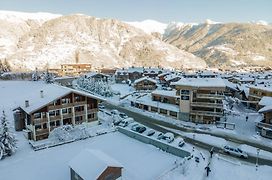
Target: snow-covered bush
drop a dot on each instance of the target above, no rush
(69, 133)
(61, 134)
(7, 139)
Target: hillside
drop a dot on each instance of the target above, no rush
(102, 42)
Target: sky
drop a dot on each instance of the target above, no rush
(161, 10)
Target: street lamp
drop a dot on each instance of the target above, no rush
(257, 158)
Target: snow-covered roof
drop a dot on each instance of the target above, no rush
(201, 82)
(90, 163)
(262, 87)
(266, 109)
(265, 101)
(230, 84)
(135, 69)
(147, 100)
(51, 92)
(171, 76)
(145, 78)
(165, 93)
(91, 74)
(244, 79)
(150, 70)
(207, 73)
(164, 74)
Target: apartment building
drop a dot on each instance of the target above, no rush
(75, 69)
(50, 106)
(201, 99)
(257, 92)
(145, 83)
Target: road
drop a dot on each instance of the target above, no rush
(158, 125)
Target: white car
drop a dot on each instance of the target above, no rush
(235, 151)
(181, 142)
(114, 112)
(125, 122)
(169, 137)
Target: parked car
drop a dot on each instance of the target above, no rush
(150, 132)
(160, 136)
(138, 128)
(101, 107)
(181, 142)
(125, 122)
(114, 112)
(169, 137)
(235, 151)
(123, 115)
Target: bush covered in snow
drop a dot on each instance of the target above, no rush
(69, 133)
(7, 139)
(98, 87)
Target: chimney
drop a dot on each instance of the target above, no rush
(26, 103)
(41, 93)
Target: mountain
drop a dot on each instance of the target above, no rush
(149, 26)
(224, 44)
(39, 42)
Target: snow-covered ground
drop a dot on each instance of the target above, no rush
(141, 161)
(243, 129)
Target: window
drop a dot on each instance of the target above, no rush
(174, 114)
(65, 100)
(64, 111)
(44, 125)
(182, 91)
(38, 127)
(163, 111)
(52, 123)
(154, 109)
(57, 123)
(90, 116)
(37, 115)
(184, 97)
(79, 108)
(78, 119)
(52, 113)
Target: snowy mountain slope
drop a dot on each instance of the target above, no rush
(149, 26)
(224, 44)
(19, 17)
(102, 42)
(16, 24)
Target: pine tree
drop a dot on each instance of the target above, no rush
(35, 75)
(7, 139)
(48, 78)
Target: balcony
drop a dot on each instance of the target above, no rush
(207, 113)
(55, 117)
(204, 104)
(40, 121)
(92, 110)
(79, 113)
(209, 96)
(42, 132)
(67, 115)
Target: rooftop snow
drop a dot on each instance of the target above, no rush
(200, 82)
(165, 93)
(31, 92)
(262, 87)
(90, 163)
(266, 109)
(265, 101)
(145, 78)
(147, 100)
